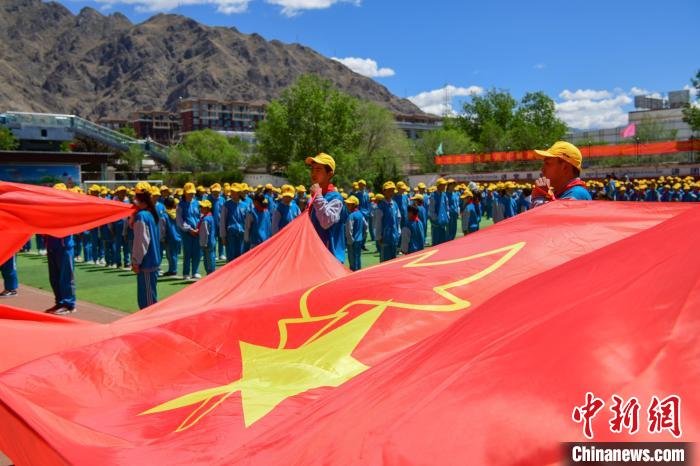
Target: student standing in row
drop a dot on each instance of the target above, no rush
(207, 236)
(232, 225)
(9, 277)
(387, 224)
(170, 236)
(355, 232)
(413, 234)
(59, 252)
(187, 217)
(258, 224)
(145, 252)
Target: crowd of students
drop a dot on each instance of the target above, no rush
(225, 220)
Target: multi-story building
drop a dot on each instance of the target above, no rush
(113, 123)
(218, 115)
(161, 126)
(414, 125)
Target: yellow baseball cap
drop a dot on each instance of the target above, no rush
(441, 181)
(60, 186)
(417, 197)
(205, 203)
(401, 185)
(388, 185)
(142, 187)
(352, 200)
(322, 159)
(565, 151)
(215, 187)
(155, 191)
(421, 185)
(301, 188)
(189, 188)
(362, 182)
(379, 197)
(120, 188)
(164, 188)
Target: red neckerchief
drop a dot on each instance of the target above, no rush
(549, 195)
(199, 225)
(329, 189)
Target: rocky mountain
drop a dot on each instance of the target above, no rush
(95, 65)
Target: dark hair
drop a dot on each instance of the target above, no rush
(260, 197)
(169, 203)
(527, 191)
(145, 199)
(413, 210)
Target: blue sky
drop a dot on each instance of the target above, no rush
(591, 56)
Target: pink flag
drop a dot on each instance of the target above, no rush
(630, 131)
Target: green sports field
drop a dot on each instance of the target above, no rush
(116, 288)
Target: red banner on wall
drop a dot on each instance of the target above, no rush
(620, 150)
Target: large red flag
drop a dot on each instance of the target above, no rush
(306, 363)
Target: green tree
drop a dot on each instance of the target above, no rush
(497, 121)
(310, 117)
(128, 131)
(483, 114)
(453, 141)
(691, 113)
(535, 123)
(651, 130)
(206, 151)
(7, 140)
(133, 157)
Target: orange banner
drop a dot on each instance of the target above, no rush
(621, 150)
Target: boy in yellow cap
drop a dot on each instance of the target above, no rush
(286, 210)
(170, 236)
(365, 207)
(232, 226)
(438, 212)
(328, 212)
(217, 202)
(187, 218)
(59, 253)
(355, 232)
(387, 224)
(412, 234)
(258, 224)
(207, 235)
(145, 252)
(561, 171)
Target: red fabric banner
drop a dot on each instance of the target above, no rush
(476, 350)
(621, 150)
(27, 209)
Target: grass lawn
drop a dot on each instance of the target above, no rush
(116, 288)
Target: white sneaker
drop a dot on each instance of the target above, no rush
(222, 257)
(185, 277)
(196, 276)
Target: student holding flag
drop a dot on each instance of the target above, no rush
(328, 212)
(59, 252)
